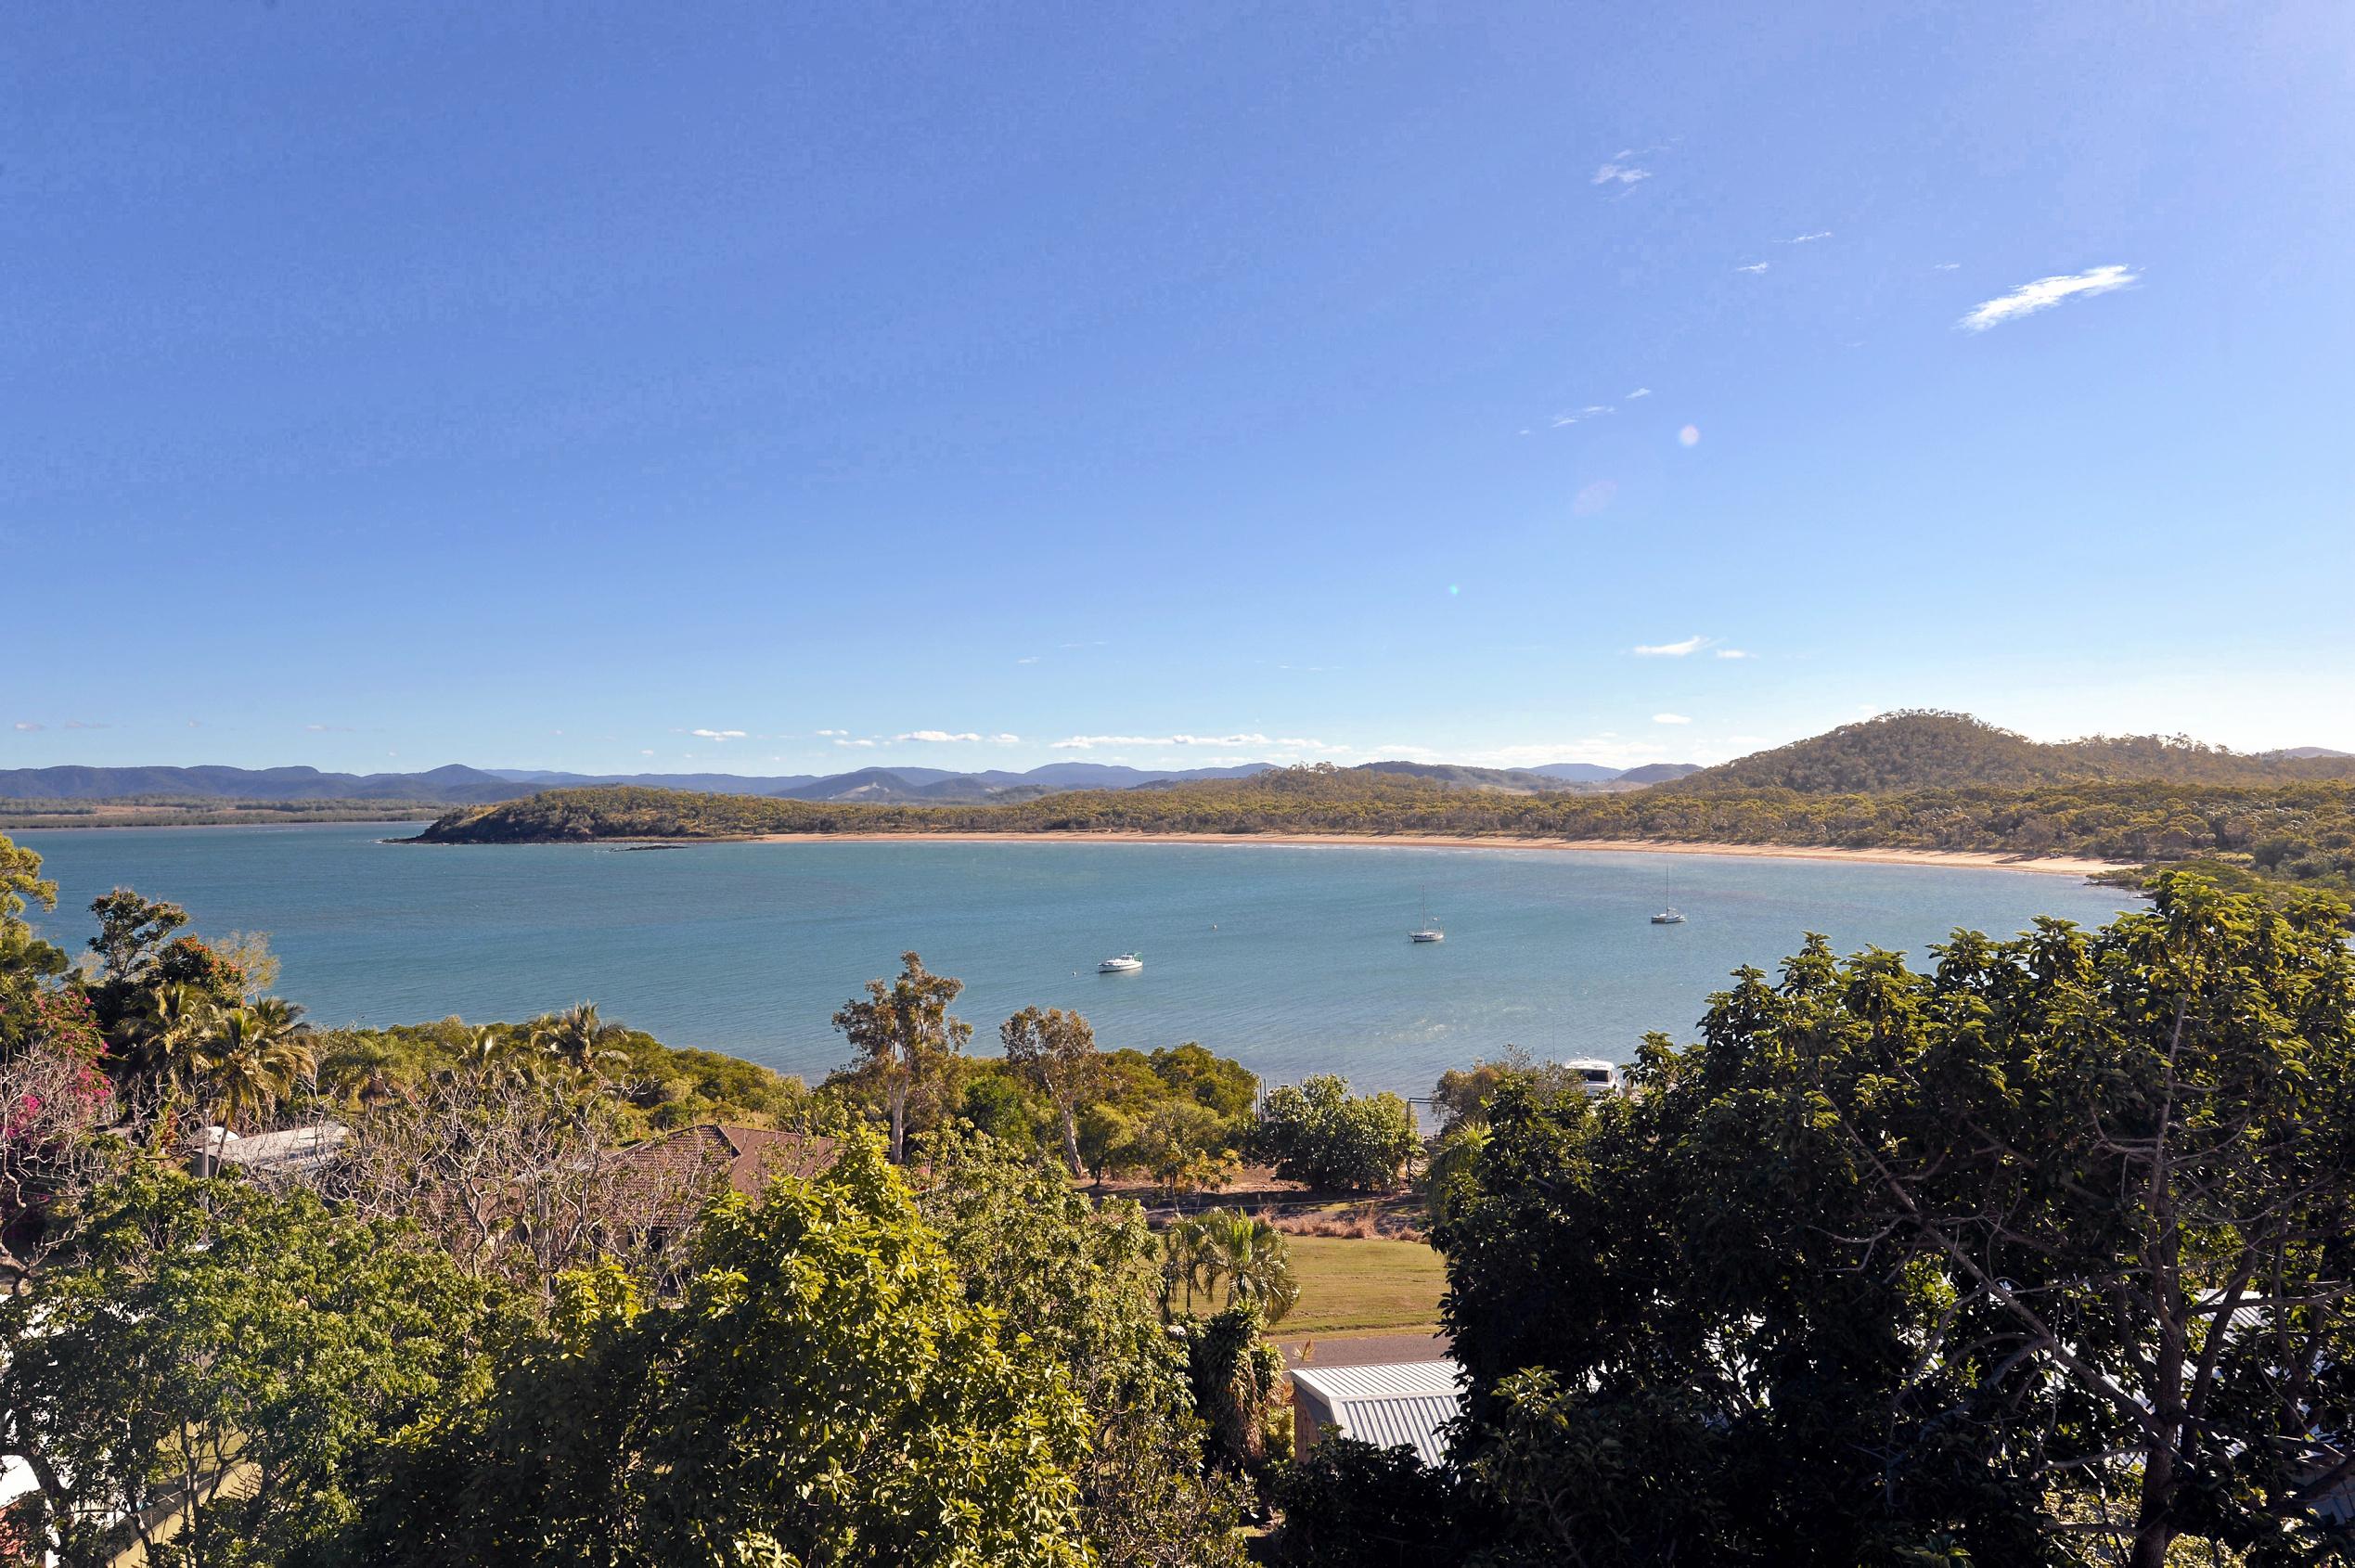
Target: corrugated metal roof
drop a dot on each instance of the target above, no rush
(1412, 1422)
(1403, 1404)
(1382, 1381)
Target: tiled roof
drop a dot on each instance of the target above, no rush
(679, 1167)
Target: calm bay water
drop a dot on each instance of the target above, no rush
(1293, 960)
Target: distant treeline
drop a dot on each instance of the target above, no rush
(2288, 833)
(194, 811)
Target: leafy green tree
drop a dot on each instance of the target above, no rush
(226, 1365)
(2040, 1257)
(906, 1036)
(132, 931)
(1056, 1051)
(27, 963)
(1318, 1133)
(1077, 1278)
(820, 1392)
(1181, 1145)
(1349, 1504)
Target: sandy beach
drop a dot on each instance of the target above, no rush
(2049, 865)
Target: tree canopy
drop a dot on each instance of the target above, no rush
(2040, 1256)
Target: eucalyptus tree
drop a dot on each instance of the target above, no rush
(906, 1036)
(1055, 1051)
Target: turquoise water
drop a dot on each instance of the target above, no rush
(1293, 960)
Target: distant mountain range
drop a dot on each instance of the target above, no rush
(1896, 751)
(457, 785)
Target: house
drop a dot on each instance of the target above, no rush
(1398, 1404)
(290, 1151)
(678, 1170)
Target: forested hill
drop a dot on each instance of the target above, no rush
(1934, 751)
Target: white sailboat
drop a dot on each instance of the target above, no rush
(1426, 932)
(1670, 914)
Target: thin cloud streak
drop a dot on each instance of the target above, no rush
(1226, 742)
(2046, 292)
(1672, 650)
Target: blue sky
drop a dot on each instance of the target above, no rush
(788, 389)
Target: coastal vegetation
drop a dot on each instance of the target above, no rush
(1914, 781)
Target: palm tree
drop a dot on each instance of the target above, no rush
(253, 1057)
(1248, 1257)
(1254, 1260)
(1186, 1264)
(579, 1038)
(177, 1019)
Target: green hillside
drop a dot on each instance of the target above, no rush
(1921, 749)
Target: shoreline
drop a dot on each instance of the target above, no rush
(2067, 866)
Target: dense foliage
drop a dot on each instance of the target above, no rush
(2041, 1256)
(820, 1390)
(1318, 1133)
(245, 1355)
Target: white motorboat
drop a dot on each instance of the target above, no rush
(1122, 963)
(1595, 1075)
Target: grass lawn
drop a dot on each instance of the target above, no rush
(1350, 1283)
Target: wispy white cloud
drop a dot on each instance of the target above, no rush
(832, 733)
(1640, 392)
(1617, 173)
(1754, 267)
(1735, 653)
(1226, 742)
(717, 734)
(967, 737)
(314, 728)
(1030, 659)
(1946, 266)
(27, 725)
(1670, 718)
(2044, 293)
(1805, 239)
(85, 724)
(1673, 649)
(846, 742)
(1591, 411)
(646, 752)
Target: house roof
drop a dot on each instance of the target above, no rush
(690, 1161)
(286, 1152)
(1397, 1404)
